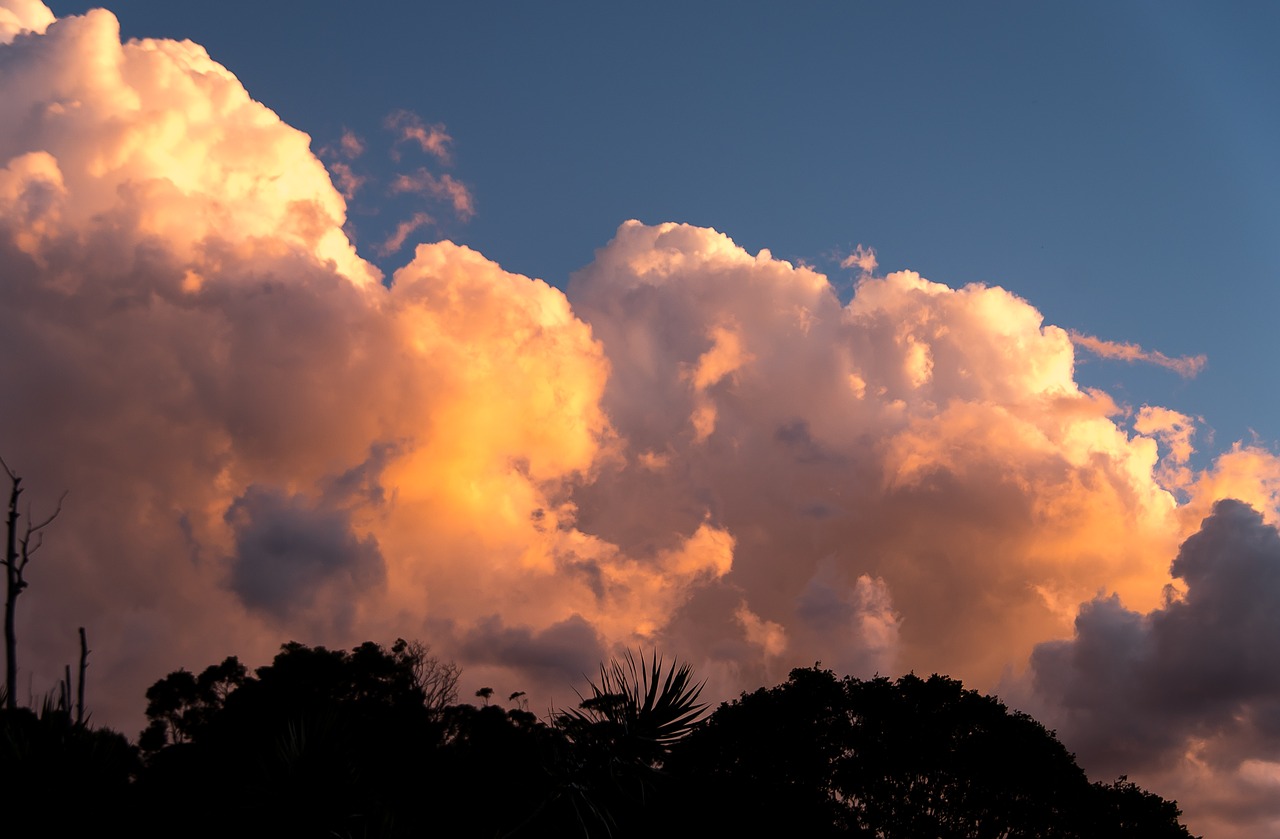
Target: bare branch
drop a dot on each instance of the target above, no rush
(17, 554)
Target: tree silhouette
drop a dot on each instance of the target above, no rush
(821, 756)
(346, 743)
(18, 552)
(318, 743)
(634, 704)
(619, 736)
(435, 677)
(181, 704)
(61, 777)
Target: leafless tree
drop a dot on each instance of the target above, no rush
(438, 679)
(84, 665)
(21, 544)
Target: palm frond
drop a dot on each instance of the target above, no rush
(636, 697)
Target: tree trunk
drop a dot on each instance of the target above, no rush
(13, 588)
(84, 664)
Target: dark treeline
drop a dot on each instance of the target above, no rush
(372, 743)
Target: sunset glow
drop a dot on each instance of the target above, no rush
(752, 461)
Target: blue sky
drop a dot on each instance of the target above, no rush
(1112, 163)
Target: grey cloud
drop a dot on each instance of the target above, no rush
(559, 654)
(287, 550)
(1133, 690)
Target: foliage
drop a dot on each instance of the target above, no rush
(639, 706)
(47, 760)
(361, 742)
(319, 742)
(619, 737)
(822, 756)
(181, 704)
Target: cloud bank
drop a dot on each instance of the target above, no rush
(691, 447)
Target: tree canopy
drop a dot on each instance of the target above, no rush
(824, 756)
(368, 742)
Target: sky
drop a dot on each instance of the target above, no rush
(903, 337)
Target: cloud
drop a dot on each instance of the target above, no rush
(395, 242)
(862, 258)
(350, 145)
(555, 657)
(19, 16)
(1193, 681)
(209, 375)
(444, 187)
(346, 178)
(964, 470)
(288, 550)
(431, 139)
(348, 148)
(861, 613)
(693, 448)
(1187, 366)
(1169, 427)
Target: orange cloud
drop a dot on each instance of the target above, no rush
(350, 145)
(1184, 694)
(404, 229)
(18, 16)
(862, 258)
(432, 139)
(445, 187)
(1187, 366)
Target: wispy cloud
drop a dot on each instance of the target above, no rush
(350, 145)
(862, 258)
(443, 187)
(338, 159)
(347, 181)
(432, 139)
(1187, 366)
(396, 240)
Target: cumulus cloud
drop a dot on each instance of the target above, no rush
(693, 448)
(1192, 682)
(928, 440)
(859, 615)
(1187, 366)
(19, 16)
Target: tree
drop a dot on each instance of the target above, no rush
(435, 677)
(619, 737)
(181, 704)
(637, 709)
(18, 552)
(821, 756)
(319, 742)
